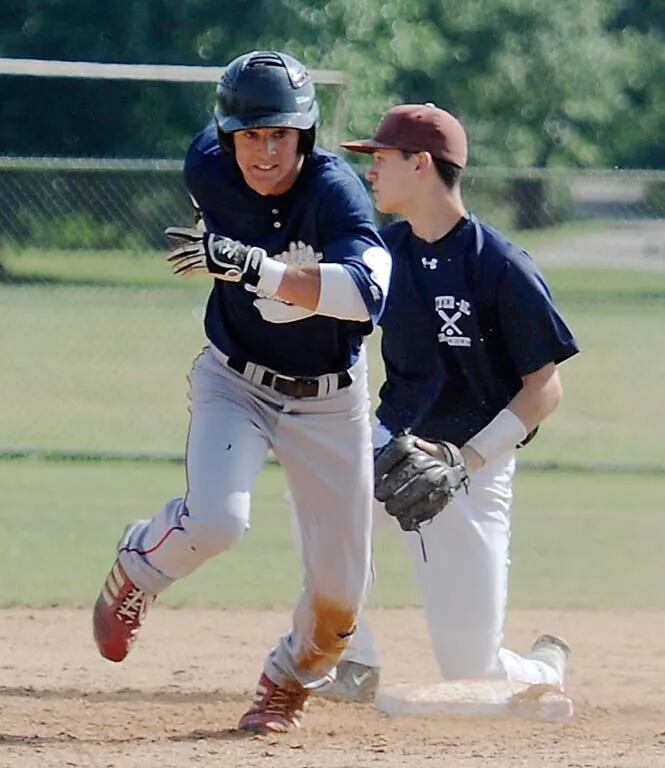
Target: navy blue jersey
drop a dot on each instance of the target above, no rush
(326, 216)
(467, 316)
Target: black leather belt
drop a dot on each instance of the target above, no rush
(291, 386)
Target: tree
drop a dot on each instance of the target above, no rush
(534, 82)
(119, 118)
(637, 138)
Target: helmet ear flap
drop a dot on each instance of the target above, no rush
(306, 141)
(225, 141)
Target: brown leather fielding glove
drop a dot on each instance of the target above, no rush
(414, 485)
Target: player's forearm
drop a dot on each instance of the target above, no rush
(327, 289)
(540, 395)
(300, 286)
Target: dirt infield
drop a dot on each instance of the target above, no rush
(177, 698)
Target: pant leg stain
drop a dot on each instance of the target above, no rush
(332, 624)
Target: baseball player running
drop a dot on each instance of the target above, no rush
(300, 276)
(471, 343)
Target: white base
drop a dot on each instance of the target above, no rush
(476, 697)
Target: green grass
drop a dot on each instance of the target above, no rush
(95, 352)
(579, 540)
(97, 368)
(150, 269)
(113, 268)
(102, 367)
(583, 540)
(605, 286)
(612, 408)
(532, 238)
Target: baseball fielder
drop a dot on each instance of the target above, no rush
(471, 343)
(299, 278)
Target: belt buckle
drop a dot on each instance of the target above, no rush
(281, 377)
(285, 385)
(294, 386)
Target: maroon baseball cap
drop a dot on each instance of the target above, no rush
(418, 128)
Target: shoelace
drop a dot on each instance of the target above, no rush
(285, 703)
(133, 606)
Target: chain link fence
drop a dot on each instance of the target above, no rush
(97, 336)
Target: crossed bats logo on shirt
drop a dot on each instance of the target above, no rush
(450, 333)
(450, 322)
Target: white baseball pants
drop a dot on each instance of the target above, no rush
(464, 584)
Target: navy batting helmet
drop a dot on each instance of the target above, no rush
(265, 89)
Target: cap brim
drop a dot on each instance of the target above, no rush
(366, 146)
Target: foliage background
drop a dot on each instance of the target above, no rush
(537, 83)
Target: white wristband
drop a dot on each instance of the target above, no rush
(272, 272)
(503, 433)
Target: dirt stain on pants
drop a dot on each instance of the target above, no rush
(331, 625)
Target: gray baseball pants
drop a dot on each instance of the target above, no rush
(324, 445)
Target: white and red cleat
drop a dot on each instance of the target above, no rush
(118, 614)
(276, 708)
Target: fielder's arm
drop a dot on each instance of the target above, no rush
(539, 396)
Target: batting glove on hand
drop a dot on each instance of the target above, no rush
(219, 256)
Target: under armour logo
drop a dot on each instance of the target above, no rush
(430, 263)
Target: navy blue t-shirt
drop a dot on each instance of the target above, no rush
(467, 316)
(325, 217)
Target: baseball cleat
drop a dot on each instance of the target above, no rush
(118, 614)
(354, 682)
(275, 708)
(553, 651)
